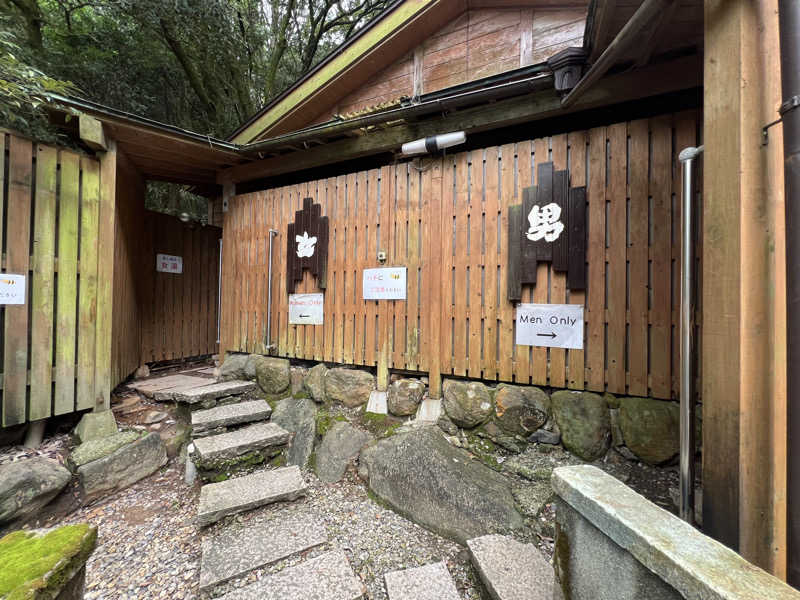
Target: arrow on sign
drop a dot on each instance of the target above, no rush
(550, 335)
(305, 316)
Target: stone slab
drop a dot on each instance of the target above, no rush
(429, 582)
(377, 403)
(218, 500)
(695, 565)
(326, 577)
(96, 449)
(123, 467)
(429, 410)
(212, 391)
(238, 550)
(226, 446)
(230, 414)
(511, 570)
(149, 387)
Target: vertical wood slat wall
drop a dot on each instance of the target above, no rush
(446, 219)
(51, 203)
(178, 312)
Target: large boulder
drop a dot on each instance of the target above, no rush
(341, 444)
(650, 428)
(314, 382)
(237, 366)
(584, 422)
(272, 374)
(467, 403)
(298, 417)
(28, 485)
(123, 467)
(404, 396)
(351, 387)
(96, 425)
(423, 477)
(521, 410)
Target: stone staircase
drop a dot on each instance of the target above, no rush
(231, 431)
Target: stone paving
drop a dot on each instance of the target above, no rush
(429, 582)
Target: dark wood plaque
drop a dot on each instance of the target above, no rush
(307, 246)
(549, 226)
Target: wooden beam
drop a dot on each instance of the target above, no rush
(644, 51)
(602, 19)
(91, 132)
(680, 74)
(743, 337)
(642, 20)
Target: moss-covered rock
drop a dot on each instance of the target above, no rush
(38, 564)
(404, 396)
(324, 420)
(350, 387)
(521, 410)
(467, 403)
(95, 426)
(650, 428)
(584, 422)
(97, 449)
(272, 374)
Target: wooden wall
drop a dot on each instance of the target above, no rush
(179, 312)
(477, 44)
(54, 207)
(129, 255)
(446, 220)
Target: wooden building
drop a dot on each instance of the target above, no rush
(608, 91)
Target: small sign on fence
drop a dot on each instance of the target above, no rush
(166, 263)
(12, 288)
(550, 325)
(388, 283)
(306, 309)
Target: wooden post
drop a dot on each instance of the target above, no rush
(105, 276)
(743, 336)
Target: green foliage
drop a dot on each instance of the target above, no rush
(205, 65)
(30, 562)
(24, 89)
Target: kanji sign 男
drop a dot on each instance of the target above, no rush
(388, 283)
(12, 289)
(550, 325)
(166, 263)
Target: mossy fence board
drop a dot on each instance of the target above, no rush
(446, 219)
(50, 216)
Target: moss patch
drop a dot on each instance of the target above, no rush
(381, 426)
(33, 563)
(324, 420)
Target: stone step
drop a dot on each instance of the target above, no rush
(218, 500)
(326, 577)
(206, 421)
(511, 570)
(245, 446)
(429, 582)
(238, 550)
(167, 384)
(210, 393)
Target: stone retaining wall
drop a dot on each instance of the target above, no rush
(613, 544)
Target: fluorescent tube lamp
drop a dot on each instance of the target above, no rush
(434, 143)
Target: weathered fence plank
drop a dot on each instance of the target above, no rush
(87, 309)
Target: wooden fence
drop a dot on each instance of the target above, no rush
(446, 219)
(179, 312)
(55, 215)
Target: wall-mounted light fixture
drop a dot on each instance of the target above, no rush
(433, 143)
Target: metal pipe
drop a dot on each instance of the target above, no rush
(687, 446)
(219, 293)
(789, 18)
(272, 233)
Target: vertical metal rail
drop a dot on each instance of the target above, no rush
(219, 293)
(687, 444)
(789, 26)
(272, 234)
